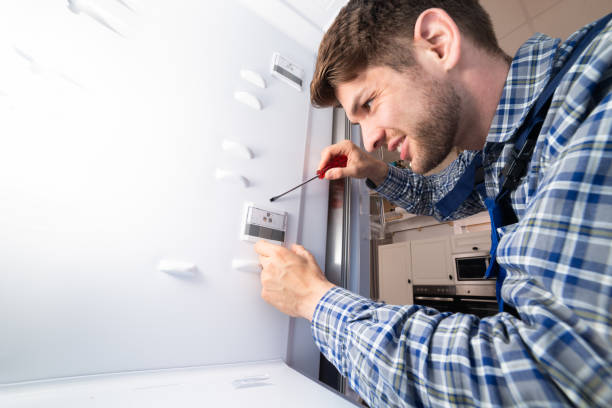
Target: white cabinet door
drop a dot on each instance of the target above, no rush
(394, 277)
(431, 261)
(472, 242)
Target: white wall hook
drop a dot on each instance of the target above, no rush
(236, 148)
(98, 14)
(177, 267)
(231, 177)
(253, 77)
(244, 265)
(248, 99)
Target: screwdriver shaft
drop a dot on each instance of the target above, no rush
(296, 187)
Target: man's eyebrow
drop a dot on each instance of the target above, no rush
(356, 103)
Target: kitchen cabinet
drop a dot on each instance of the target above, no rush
(423, 262)
(430, 261)
(394, 274)
(471, 242)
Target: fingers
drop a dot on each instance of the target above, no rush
(326, 155)
(264, 261)
(359, 163)
(265, 248)
(299, 250)
(336, 173)
(271, 253)
(334, 150)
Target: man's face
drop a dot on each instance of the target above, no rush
(409, 111)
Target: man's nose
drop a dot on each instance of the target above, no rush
(372, 138)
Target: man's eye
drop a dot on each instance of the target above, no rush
(368, 103)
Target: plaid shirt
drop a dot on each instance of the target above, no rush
(558, 258)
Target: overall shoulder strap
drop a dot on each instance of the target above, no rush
(514, 170)
(474, 171)
(500, 208)
(530, 129)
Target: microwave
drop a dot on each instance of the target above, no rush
(471, 268)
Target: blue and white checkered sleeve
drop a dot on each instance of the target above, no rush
(558, 260)
(418, 193)
(412, 355)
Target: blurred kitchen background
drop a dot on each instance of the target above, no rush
(413, 252)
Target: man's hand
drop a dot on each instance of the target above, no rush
(291, 280)
(359, 163)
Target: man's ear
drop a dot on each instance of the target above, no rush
(437, 37)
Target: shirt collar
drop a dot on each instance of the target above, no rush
(529, 72)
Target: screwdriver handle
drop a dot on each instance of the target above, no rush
(337, 161)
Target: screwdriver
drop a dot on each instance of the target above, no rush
(337, 161)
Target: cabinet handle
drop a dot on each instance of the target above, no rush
(450, 277)
(475, 248)
(409, 281)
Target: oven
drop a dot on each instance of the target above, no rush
(471, 293)
(478, 300)
(441, 298)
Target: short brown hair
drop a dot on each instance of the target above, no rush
(380, 32)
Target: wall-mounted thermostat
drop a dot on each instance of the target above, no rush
(260, 223)
(287, 71)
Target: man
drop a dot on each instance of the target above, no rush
(422, 77)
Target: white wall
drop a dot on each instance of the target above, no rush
(109, 144)
(515, 21)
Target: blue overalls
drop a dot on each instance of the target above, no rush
(500, 208)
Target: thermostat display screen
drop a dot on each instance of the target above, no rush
(260, 223)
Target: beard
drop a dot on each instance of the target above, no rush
(435, 135)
